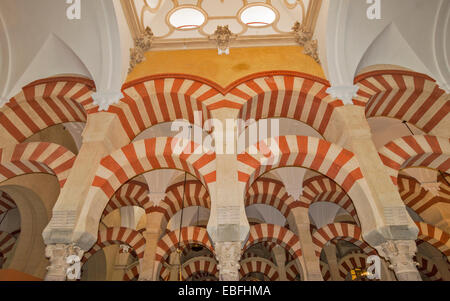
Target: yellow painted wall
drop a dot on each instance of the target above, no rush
(224, 69)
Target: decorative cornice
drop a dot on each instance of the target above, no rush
(303, 37)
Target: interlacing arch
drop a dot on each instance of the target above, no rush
(259, 265)
(163, 98)
(193, 266)
(173, 240)
(195, 194)
(272, 193)
(416, 197)
(340, 231)
(403, 95)
(6, 202)
(323, 189)
(7, 242)
(36, 157)
(435, 237)
(285, 94)
(428, 268)
(416, 151)
(275, 234)
(118, 235)
(168, 97)
(45, 103)
(133, 193)
(140, 157)
(302, 151)
(350, 262)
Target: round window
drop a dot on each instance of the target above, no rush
(187, 18)
(258, 16)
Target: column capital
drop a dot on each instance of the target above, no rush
(64, 262)
(106, 98)
(228, 255)
(344, 93)
(400, 254)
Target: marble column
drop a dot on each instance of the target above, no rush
(280, 258)
(228, 255)
(330, 253)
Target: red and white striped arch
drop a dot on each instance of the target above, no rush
(199, 265)
(195, 195)
(416, 151)
(45, 103)
(275, 234)
(272, 193)
(292, 271)
(322, 156)
(163, 98)
(435, 237)
(118, 235)
(340, 231)
(351, 262)
(259, 265)
(36, 157)
(428, 268)
(417, 198)
(7, 242)
(403, 95)
(6, 202)
(143, 156)
(285, 94)
(173, 240)
(323, 189)
(133, 193)
(132, 274)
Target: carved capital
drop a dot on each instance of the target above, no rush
(106, 98)
(400, 254)
(62, 257)
(228, 255)
(344, 93)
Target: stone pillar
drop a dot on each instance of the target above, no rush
(228, 226)
(152, 234)
(330, 253)
(280, 258)
(102, 135)
(228, 255)
(299, 218)
(381, 210)
(175, 265)
(65, 262)
(400, 254)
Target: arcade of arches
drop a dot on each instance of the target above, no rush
(350, 179)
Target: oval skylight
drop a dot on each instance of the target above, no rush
(258, 15)
(187, 18)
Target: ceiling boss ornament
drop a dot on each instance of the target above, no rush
(303, 37)
(141, 46)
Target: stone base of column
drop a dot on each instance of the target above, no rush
(400, 254)
(228, 255)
